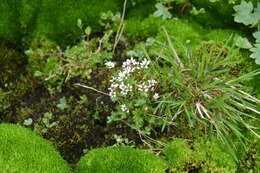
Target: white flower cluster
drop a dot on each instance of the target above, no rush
(118, 84)
(124, 108)
(110, 64)
(147, 86)
(156, 96)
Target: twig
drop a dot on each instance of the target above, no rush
(91, 88)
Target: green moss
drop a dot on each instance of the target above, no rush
(141, 9)
(120, 160)
(206, 156)
(219, 35)
(24, 152)
(9, 26)
(23, 20)
(183, 34)
(178, 154)
(142, 28)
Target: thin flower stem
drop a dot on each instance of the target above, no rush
(121, 27)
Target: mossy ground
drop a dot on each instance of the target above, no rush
(82, 125)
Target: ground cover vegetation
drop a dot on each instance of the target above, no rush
(130, 86)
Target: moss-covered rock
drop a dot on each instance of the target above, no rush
(120, 160)
(23, 151)
(205, 156)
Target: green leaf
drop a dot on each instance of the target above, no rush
(243, 43)
(79, 23)
(244, 13)
(140, 102)
(257, 36)
(162, 11)
(115, 116)
(28, 122)
(63, 104)
(88, 30)
(38, 74)
(257, 11)
(48, 115)
(256, 53)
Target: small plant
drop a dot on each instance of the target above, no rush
(121, 141)
(162, 11)
(133, 89)
(196, 90)
(45, 123)
(63, 104)
(55, 66)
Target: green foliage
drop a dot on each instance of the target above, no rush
(120, 160)
(248, 15)
(45, 123)
(243, 43)
(63, 104)
(48, 62)
(206, 91)
(256, 50)
(133, 88)
(195, 87)
(218, 13)
(256, 53)
(24, 152)
(162, 11)
(206, 156)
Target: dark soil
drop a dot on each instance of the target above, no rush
(78, 130)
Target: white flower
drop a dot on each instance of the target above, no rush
(110, 64)
(129, 67)
(144, 63)
(124, 108)
(156, 96)
(152, 82)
